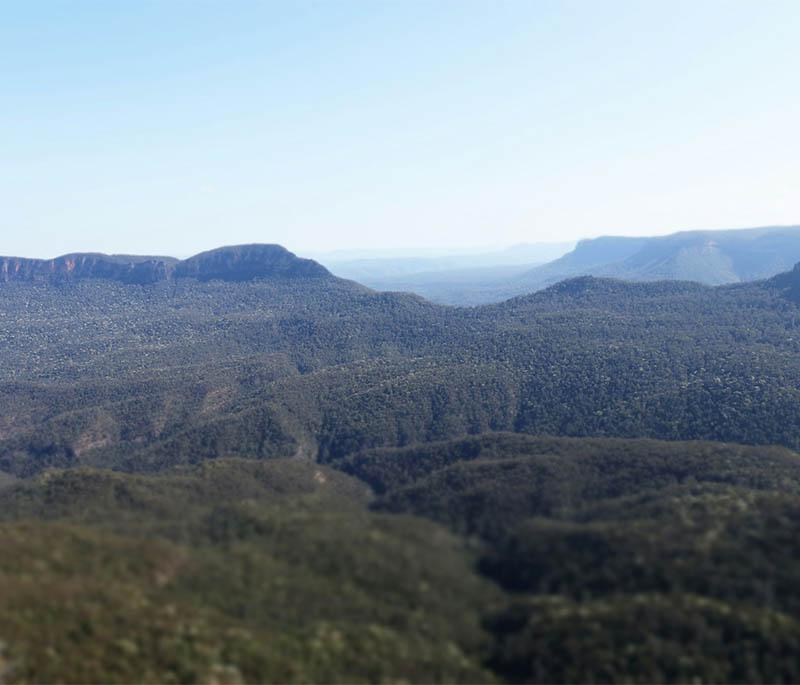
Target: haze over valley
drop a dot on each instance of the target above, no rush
(288, 395)
(710, 257)
(402, 342)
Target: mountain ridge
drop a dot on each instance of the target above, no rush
(229, 263)
(705, 256)
(709, 257)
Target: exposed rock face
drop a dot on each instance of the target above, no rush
(81, 266)
(241, 263)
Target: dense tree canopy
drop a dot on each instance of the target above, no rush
(296, 479)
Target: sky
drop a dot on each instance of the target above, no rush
(175, 126)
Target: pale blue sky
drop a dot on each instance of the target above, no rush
(176, 126)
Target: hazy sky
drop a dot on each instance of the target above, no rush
(175, 126)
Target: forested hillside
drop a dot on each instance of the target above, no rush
(566, 560)
(624, 560)
(251, 470)
(112, 374)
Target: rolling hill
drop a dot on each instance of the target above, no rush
(108, 373)
(598, 561)
(247, 469)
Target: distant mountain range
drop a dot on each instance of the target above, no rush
(391, 266)
(456, 278)
(709, 257)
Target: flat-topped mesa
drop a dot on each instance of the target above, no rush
(238, 263)
(248, 262)
(138, 270)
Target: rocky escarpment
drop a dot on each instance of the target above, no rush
(80, 266)
(239, 263)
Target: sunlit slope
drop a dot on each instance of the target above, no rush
(142, 377)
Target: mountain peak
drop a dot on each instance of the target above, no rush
(247, 262)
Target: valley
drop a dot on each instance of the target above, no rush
(713, 257)
(267, 472)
